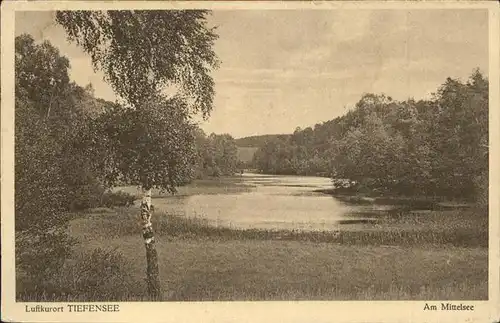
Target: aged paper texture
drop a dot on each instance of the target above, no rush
(250, 161)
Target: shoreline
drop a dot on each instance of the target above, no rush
(445, 228)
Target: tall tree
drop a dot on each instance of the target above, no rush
(223, 154)
(56, 164)
(143, 54)
(39, 66)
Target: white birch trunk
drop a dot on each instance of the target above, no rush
(147, 227)
(153, 277)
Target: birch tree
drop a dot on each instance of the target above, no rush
(144, 55)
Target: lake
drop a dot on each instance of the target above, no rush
(267, 202)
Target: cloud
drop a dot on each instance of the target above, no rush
(286, 68)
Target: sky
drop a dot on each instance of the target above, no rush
(282, 69)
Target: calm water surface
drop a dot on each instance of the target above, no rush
(272, 202)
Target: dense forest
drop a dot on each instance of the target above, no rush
(432, 147)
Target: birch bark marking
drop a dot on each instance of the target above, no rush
(152, 271)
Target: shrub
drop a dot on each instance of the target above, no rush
(87, 196)
(97, 275)
(39, 259)
(120, 198)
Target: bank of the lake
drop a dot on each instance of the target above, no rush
(414, 254)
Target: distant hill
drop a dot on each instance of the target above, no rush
(257, 141)
(245, 154)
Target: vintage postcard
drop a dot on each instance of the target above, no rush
(250, 161)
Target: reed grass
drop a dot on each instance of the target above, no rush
(440, 228)
(437, 255)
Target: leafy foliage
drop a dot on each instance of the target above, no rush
(144, 54)
(120, 198)
(144, 51)
(217, 154)
(434, 147)
(152, 146)
(54, 157)
(70, 146)
(40, 66)
(53, 169)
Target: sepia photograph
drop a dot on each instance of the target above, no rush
(218, 154)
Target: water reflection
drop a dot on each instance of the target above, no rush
(273, 202)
